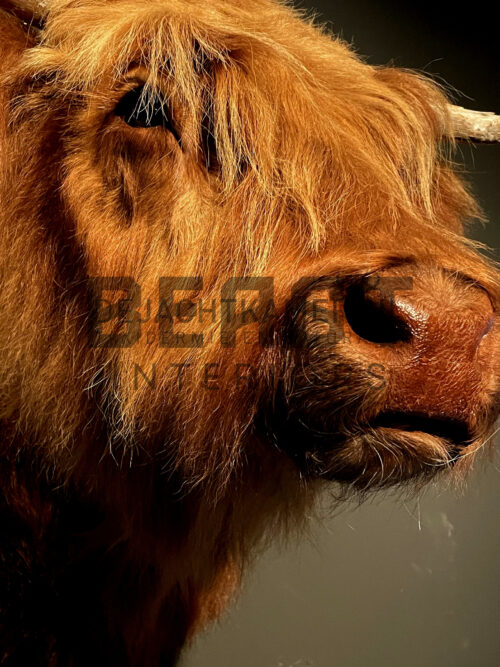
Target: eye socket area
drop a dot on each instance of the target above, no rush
(140, 109)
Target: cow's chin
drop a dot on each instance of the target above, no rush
(379, 455)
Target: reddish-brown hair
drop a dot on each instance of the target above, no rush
(324, 164)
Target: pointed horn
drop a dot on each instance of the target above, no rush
(474, 125)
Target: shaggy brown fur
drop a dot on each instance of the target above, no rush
(131, 506)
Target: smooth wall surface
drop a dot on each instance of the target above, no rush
(391, 584)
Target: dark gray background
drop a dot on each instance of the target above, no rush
(391, 584)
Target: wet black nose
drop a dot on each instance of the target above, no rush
(372, 316)
(409, 311)
(429, 330)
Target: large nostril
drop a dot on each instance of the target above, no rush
(372, 316)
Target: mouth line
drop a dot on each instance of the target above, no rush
(453, 431)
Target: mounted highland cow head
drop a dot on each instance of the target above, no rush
(233, 270)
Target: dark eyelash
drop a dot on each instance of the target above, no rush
(208, 142)
(138, 111)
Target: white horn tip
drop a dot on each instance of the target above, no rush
(475, 125)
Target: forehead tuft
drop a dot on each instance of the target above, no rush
(93, 39)
(320, 130)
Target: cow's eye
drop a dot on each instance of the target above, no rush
(138, 109)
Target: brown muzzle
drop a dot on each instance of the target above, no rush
(410, 386)
(435, 335)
